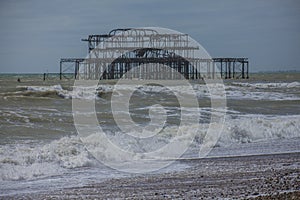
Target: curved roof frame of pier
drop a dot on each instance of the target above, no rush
(134, 45)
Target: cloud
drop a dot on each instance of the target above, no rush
(37, 33)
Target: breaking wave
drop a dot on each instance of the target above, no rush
(54, 91)
(235, 93)
(237, 90)
(31, 161)
(268, 85)
(255, 128)
(28, 161)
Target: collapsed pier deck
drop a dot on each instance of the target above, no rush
(122, 52)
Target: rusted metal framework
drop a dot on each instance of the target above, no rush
(233, 67)
(145, 53)
(69, 67)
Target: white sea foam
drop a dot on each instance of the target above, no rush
(257, 95)
(199, 89)
(237, 90)
(25, 161)
(42, 91)
(30, 161)
(253, 128)
(44, 88)
(268, 85)
(263, 91)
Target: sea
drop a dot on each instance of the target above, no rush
(41, 149)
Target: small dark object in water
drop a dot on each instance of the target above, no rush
(19, 80)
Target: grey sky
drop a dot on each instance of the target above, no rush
(35, 34)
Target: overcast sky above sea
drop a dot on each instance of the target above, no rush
(35, 34)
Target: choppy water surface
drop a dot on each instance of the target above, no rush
(40, 148)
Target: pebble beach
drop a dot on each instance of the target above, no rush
(249, 177)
